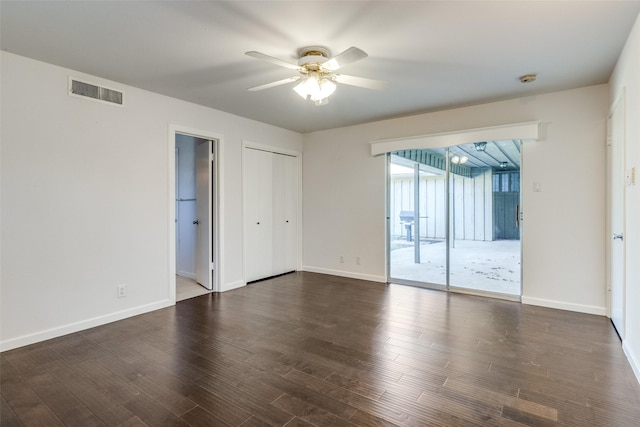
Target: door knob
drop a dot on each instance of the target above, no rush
(617, 237)
(196, 222)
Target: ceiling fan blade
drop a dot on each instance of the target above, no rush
(361, 82)
(273, 60)
(350, 55)
(274, 84)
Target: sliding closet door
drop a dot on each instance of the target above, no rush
(258, 216)
(271, 213)
(285, 212)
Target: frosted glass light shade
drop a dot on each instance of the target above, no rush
(316, 90)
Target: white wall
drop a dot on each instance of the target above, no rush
(85, 203)
(627, 75)
(564, 224)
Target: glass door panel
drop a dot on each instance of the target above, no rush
(484, 252)
(418, 217)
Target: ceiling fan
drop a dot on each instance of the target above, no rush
(317, 72)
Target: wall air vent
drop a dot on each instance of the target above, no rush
(88, 90)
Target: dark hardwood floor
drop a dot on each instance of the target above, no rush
(307, 349)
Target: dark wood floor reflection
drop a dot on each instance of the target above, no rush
(308, 349)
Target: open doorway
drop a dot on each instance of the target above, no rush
(454, 217)
(195, 212)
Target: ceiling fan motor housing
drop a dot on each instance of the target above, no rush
(311, 57)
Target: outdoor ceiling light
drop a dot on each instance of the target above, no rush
(459, 159)
(480, 146)
(504, 165)
(316, 88)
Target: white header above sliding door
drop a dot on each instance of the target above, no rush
(522, 131)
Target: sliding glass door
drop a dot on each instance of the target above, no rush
(418, 218)
(453, 217)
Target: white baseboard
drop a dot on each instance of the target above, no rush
(580, 308)
(186, 274)
(70, 328)
(233, 285)
(633, 360)
(342, 273)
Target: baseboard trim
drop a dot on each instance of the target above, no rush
(341, 273)
(633, 361)
(70, 328)
(232, 285)
(188, 275)
(580, 308)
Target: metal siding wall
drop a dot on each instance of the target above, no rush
(469, 211)
(488, 207)
(473, 198)
(431, 210)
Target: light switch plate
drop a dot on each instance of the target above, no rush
(537, 187)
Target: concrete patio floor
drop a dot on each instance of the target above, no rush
(478, 265)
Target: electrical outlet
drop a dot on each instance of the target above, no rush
(341, 259)
(122, 291)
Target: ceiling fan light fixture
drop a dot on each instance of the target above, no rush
(316, 67)
(327, 87)
(316, 89)
(301, 88)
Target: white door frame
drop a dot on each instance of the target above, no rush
(218, 208)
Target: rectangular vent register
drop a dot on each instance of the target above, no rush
(88, 90)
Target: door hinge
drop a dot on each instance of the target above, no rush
(212, 266)
(211, 156)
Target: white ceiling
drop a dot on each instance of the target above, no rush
(434, 54)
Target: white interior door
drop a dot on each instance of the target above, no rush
(616, 215)
(204, 237)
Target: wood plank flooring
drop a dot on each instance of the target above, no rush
(307, 349)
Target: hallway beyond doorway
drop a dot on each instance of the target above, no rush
(188, 288)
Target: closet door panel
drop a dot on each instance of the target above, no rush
(290, 244)
(279, 208)
(285, 212)
(258, 172)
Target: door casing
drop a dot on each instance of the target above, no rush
(217, 206)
